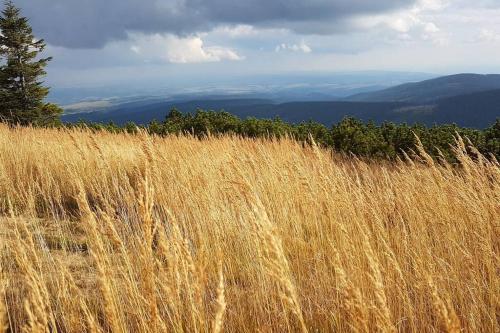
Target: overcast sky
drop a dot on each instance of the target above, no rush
(100, 42)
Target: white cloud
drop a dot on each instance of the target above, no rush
(489, 36)
(192, 50)
(430, 27)
(434, 5)
(417, 23)
(136, 49)
(173, 49)
(301, 47)
(238, 31)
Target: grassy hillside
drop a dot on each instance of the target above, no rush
(113, 232)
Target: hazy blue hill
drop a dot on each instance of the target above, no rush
(432, 90)
(326, 112)
(294, 112)
(142, 113)
(476, 110)
(464, 99)
(473, 110)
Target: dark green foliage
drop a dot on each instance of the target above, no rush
(349, 136)
(491, 139)
(353, 136)
(387, 141)
(22, 93)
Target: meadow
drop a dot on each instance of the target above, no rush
(103, 232)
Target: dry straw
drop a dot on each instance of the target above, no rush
(103, 232)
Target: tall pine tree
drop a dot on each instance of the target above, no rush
(22, 92)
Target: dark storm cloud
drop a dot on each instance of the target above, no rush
(93, 23)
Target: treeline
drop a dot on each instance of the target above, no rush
(388, 140)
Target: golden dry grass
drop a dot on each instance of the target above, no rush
(115, 233)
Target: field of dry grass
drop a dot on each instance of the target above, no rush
(121, 233)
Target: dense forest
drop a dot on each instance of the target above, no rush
(388, 140)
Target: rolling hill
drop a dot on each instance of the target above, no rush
(293, 112)
(476, 110)
(432, 90)
(144, 112)
(465, 99)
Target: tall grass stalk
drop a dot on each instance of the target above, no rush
(103, 232)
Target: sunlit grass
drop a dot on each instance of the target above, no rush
(112, 233)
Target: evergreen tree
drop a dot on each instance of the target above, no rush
(22, 92)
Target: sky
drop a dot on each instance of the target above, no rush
(136, 42)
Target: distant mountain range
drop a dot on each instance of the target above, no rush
(432, 90)
(281, 88)
(469, 100)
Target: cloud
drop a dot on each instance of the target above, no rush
(488, 36)
(237, 31)
(170, 48)
(301, 47)
(413, 24)
(94, 23)
(435, 5)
